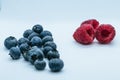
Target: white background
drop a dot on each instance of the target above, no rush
(61, 17)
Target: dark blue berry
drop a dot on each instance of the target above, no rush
(33, 35)
(24, 47)
(10, 42)
(27, 33)
(51, 44)
(23, 40)
(46, 39)
(15, 53)
(40, 64)
(36, 54)
(37, 28)
(36, 41)
(52, 54)
(25, 56)
(46, 49)
(45, 33)
(56, 64)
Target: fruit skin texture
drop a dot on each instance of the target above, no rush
(52, 54)
(35, 54)
(27, 33)
(36, 41)
(84, 34)
(37, 28)
(15, 53)
(22, 41)
(105, 33)
(45, 33)
(24, 47)
(56, 65)
(46, 39)
(10, 42)
(93, 22)
(40, 64)
(51, 44)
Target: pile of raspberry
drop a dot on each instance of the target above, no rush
(91, 29)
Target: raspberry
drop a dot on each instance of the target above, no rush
(93, 22)
(105, 33)
(84, 34)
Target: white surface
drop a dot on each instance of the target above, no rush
(91, 62)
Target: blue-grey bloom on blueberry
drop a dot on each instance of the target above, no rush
(15, 53)
(45, 33)
(56, 65)
(24, 47)
(51, 44)
(10, 42)
(52, 54)
(35, 54)
(23, 40)
(33, 35)
(46, 49)
(40, 64)
(27, 33)
(37, 28)
(46, 39)
(36, 41)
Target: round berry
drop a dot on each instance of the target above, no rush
(10, 42)
(36, 41)
(15, 53)
(105, 33)
(46, 49)
(46, 39)
(27, 33)
(84, 34)
(52, 54)
(56, 65)
(35, 54)
(93, 22)
(40, 64)
(51, 44)
(23, 40)
(33, 35)
(45, 33)
(24, 47)
(37, 28)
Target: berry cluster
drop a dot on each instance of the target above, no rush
(35, 45)
(90, 29)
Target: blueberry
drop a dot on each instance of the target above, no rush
(46, 39)
(10, 42)
(35, 54)
(56, 64)
(37, 28)
(27, 33)
(51, 44)
(45, 33)
(40, 64)
(24, 47)
(15, 53)
(46, 50)
(23, 40)
(25, 56)
(52, 54)
(36, 41)
(33, 35)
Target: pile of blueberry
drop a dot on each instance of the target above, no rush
(35, 46)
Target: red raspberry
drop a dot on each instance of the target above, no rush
(105, 33)
(84, 34)
(93, 22)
